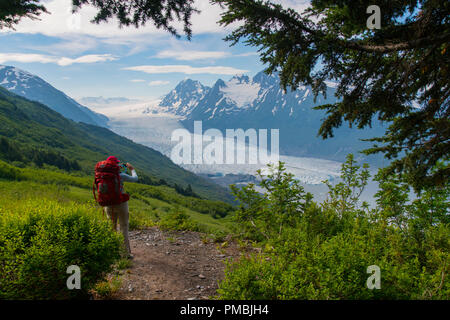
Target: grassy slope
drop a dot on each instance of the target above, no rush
(145, 209)
(32, 124)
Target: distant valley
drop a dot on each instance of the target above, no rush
(64, 135)
(245, 103)
(241, 102)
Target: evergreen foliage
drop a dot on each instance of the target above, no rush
(12, 11)
(161, 13)
(380, 72)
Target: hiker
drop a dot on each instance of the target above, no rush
(111, 195)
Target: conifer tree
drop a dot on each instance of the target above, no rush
(398, 73)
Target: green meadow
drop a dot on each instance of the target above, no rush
(49, 221)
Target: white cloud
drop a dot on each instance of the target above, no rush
(137, 80)
(90, 58)
(186, 55)
(72, 44)
(158, 83)
(246, 54)
(152, 69)
(25, 58)
(62, 61)
(191, 55)
(297, 5)
(206, 21)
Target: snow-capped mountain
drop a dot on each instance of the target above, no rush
(261, 96)
(186, 95)
(261, 103)
(34, 88)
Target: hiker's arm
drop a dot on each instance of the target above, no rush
(128, 178)
(132, 178)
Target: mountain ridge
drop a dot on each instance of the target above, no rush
(260, 102)
(31, 124)
(34, 88)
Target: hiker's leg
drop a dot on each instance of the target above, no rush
(123, 221)
(111, 212)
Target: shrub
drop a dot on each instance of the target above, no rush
(323, 251)
(40, 239)
(264, 216)
(177, 220)
(108, 288)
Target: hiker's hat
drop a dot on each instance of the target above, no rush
(113, 159)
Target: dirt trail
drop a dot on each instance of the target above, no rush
(173, 265)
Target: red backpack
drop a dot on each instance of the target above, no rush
(107, 184)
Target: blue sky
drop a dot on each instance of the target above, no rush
(84, 59)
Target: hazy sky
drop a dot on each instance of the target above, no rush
(84, 59)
